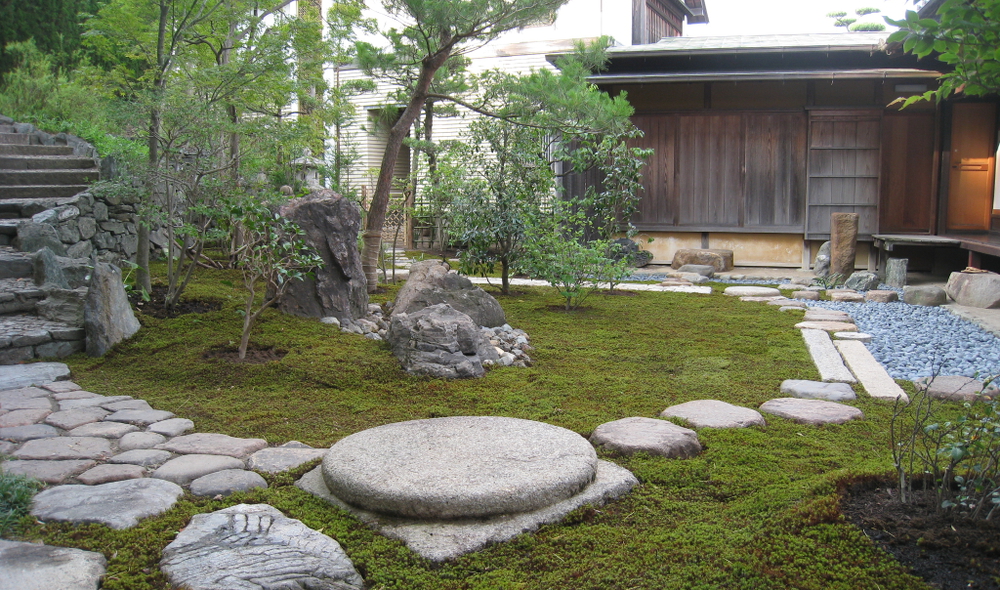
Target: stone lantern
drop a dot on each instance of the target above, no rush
(307, 170)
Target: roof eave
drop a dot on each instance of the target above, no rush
(877, 73)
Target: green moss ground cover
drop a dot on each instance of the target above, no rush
(757, 509)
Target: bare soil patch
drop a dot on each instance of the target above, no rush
(156, 308)
(948, 551)
(255, 355)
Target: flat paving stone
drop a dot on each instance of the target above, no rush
(847, 297)
(65, 447)
(278, 459)
(70, 419)
(33, 566)
(107, 473)
(23, 417)
(826, 357)
(7, 447)
(826, 315)
(870, 373)
(72, 394)
(649, 435)
(710, 413)
(859, 336)
(58, 387)
(140, 440)
(171, 427)
(881, 296)
(53, 472)
(226, 482)
(459, 467)
(255, 547)
(742, 291)
(91, 402)
(811, 411)
(21, 393)
(139, 417)
(103, 429)
(119, 505)
(207, 443)
(27, 403)
(15, 376)
(440, 540)
(788, 303)
(187, 468)
(142, 457)
(834, 392)
(29, 432)
(128, 404)
(949, 387)
(827, 326)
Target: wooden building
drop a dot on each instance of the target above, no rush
(758, 139)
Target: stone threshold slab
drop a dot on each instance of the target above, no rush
(826, 357)
(446, 539)
(873, 376)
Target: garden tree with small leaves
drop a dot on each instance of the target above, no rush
(966, 36)
(274, 253)
(432, 32)
(852, 24)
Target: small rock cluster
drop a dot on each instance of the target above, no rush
(511, 345)
(372, 326)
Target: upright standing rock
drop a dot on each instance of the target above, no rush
(895, 272)
(821, 266)
(843, 243)
(338, 289)
(432, 282)
(107, 315)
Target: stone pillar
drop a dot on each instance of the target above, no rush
(895, 272)
(843, 243)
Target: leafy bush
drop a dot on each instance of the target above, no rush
(16, 492)
(958, 459)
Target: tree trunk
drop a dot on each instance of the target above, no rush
(380, 198)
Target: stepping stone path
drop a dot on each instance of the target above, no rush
(834, 392)
(710, 413)
(752, 292)
(955, 388)
(811, 411)
(448, 486)
(30, 566)
(255, 546)
(119, 505)
(649, 435)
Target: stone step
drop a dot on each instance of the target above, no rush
(18, 296)
(52, 191)
(26, 337)
(36, 150)
(16, 138)
(6, 129)
(8, 227)
(15, 265)
(826, 357)
(870, 373)
(47, 177)
(24, 208)
(43, 162)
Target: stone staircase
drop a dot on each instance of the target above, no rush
(35, 177)
(44, 318)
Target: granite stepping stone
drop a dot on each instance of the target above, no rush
(710, 413)
(119, 505)
(743, 291)
(859, 336)
(834, 392)
(846, 297)
(656, 437)
(59, 387)
(48, 471)
(107, 473)
(32, 566)
(872, 375)
(23, 417)
(91, 402)
(75, 394)
(26, 433)
(171, 427)
(226, 482)
(27, 403)
(127, 404)
(827, 326)
(811, 411)
(187, 468)
(70, 419)
(949, 387)
(140, 440)
(826, 315)
(881, 296)
(139, 417)
(142, 457)
(255, 546)
(15, 376)
(788, 303)
(764, 299)
(278, 459)
(825, 356)
(807, 295)
(103, 429)
(65, 447)
(12, 396)
(206, 443)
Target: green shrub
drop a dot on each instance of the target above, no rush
(16, 492)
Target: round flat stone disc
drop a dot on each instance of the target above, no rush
(459, 467)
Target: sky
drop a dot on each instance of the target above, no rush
(763, 17)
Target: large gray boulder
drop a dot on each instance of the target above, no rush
(432, 282)
(821, 266)
(338, 289)
(862, 281)
(108, 317)
(440, 341)
(32, 237)
(975, 289)
(31, 566)
(58, 271)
